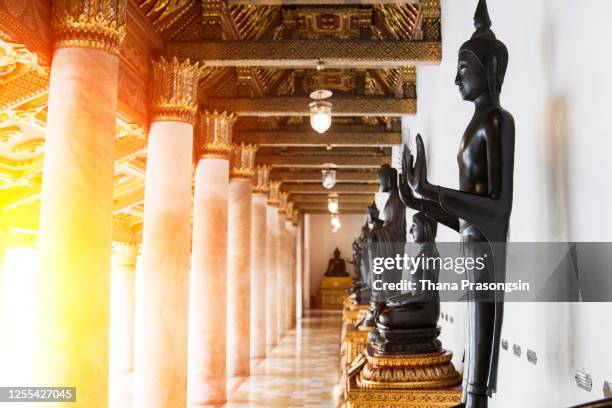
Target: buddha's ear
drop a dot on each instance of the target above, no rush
(491, 68)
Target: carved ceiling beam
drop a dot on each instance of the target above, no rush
(128, 200)
(323, 161)
(312, 138)
(321, 198)
(298, 106)
(332, 53)
(315, 176)
(353, 188)
(326, 211)
(342, 207)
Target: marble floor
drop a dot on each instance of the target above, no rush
(301, 371)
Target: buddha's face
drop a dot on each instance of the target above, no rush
(373, 213)
(471, 76)
(384, 182)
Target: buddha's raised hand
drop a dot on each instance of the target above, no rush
(415, 171)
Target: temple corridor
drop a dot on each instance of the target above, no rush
(305, 203)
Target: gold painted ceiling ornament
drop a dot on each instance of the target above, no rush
(97, 24)
(242, 161)
(9, 134)
(261, 180)
(30, 147)
(216, 134)
(14, 56)
(273, 193)
(174, 89)
(282, 202)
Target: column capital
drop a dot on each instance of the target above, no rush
(295, 217)
(261, 180)
(215, 134)
(175, 86)
(282, 202)
(242, 161)
(273, 193)
(126, 254)
(289, 210)
(97, 24)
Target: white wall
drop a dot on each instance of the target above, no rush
(322, 242)
(558, 88)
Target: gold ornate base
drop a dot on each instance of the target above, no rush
(355, 342)
(419, 380)
(333, 291)
(353, 314)
(412, 372)
(370, 398)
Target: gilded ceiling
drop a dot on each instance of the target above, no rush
(154, 25)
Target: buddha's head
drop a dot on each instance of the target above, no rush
(387, 178)
(482, 60)
(423, 229)
(373, 212)
(336, 253)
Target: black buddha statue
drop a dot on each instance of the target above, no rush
(361, 256)
(357, 283)
(386, 238)
(408, 323)
(480, 209)
(336, 266)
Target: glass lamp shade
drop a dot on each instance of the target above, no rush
(335, 222)
(329, 178)
(320, 116)
(332, 205)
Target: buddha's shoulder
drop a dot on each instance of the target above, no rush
(497, 117)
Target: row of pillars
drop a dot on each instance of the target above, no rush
(218, 276)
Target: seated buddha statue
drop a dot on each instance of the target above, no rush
(336, 266)
(407, 323)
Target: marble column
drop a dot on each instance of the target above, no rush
(160, 353)
(281, 268)
(239, 261)
(258, 263)
(73, 282)
(290, 290)
(299, 265)
(208, 284)
(271, 261)
(123, 293)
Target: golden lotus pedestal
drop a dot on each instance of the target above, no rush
(419, 380)
(333, 290)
